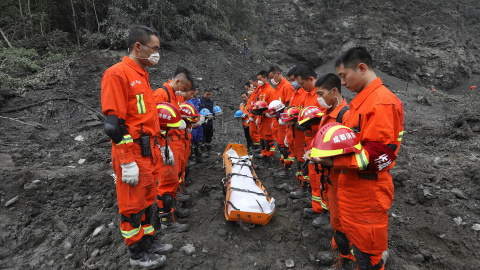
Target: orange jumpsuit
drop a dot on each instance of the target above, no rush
(253, 125)
(364, 195)
(126, 93)
(266, 93)
(170, 175)
(330, 193)
(283, 92)
(295, 138)
(317, 203)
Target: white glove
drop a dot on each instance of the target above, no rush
(171, 159)
(251, 119)
(256, 121)
(285, 141)
(130, 173)
(189, 130)
(245, 115)
(183, 125)
(269, 116)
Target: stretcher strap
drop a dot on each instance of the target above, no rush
(229, 176)
(229, 202)
(249, 191)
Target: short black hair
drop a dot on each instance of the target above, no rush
(247, 84)
(305, 71)
(354, 56)
(195, 86)
(184, 71)
(244, 93)
(140, 33)
(207, 90)
(329, 81)
(274, 69)
(291, 71)
(262, 73)
(253, 78)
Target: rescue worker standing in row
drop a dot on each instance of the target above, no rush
(365, 187)
(172, 92)
(253, 128)
(264, 123)
(283, 92)
(246, 128)
(328, 89)
(133, 126)
(207, 102)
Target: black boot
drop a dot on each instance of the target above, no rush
(323, 219)
(168, 224)
(151, 245)
(302, 192)
(140, 257)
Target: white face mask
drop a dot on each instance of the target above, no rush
(273, 81)
(154, 58)
(322, 103)
(260, 83)
(251, 85)
(250, 92)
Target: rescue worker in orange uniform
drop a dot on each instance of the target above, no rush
(283, 92)
(133, 125)
(328, 89)
(365, 188)
(306, 77)
(172, 92)
(264, 123)
(253, 129)
(295, 138)
(246, 128)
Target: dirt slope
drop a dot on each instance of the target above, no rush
(60, 214)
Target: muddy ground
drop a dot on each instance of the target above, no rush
(58, 203)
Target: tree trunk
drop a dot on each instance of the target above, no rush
(5, 38)
(75, 22)
(96, 16)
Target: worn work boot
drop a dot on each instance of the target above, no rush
(323, 219)
(205, 153)
(309, 210)
(140, 257)
(170, 225)
(182, 212)
(302, 192)
(151, 245)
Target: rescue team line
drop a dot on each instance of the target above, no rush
(330, 151)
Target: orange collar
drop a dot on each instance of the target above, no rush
(129, 62)
(360, 97)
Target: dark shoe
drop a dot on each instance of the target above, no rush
(205, 155)
(323, 219)
(182, 212)
(151, 245)
(143, 258)
(303, 192)
(309, 210)
(168, 224)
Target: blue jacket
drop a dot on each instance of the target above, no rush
(197, 133)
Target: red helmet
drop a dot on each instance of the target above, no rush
(189, 113)
(335, 139)
(290, 113)
(259, 107)
(168, 115)
(309, 113)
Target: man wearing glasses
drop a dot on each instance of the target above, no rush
(133, 125)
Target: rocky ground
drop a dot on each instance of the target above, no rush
(57, 193)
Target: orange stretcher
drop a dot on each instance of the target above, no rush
(245, 202)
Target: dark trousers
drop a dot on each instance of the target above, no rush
(246, 131)
(208, 135)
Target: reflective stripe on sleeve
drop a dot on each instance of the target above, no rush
(400, 136)
(148, 229)
(362, 160)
